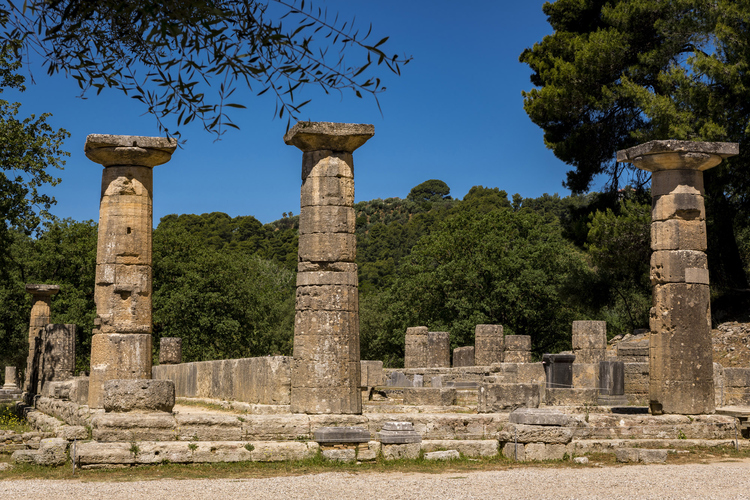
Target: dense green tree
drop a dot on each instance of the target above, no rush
(223, 304)
(432, 190)
(187, 58)
(616, 73)
(619, 244)
(502, 267)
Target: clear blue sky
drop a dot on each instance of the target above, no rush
(455, 114)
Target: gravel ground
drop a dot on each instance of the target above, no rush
(714, 481)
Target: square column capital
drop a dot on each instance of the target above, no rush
(111, 150)
(42, 290)
(322, 136)
(656, 156)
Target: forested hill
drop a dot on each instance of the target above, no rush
(227, 285)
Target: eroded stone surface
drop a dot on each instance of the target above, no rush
(489, 344)
(138, 395)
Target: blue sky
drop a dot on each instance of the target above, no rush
(455, 114)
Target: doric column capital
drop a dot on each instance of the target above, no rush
(327, 136)
(122, 150)
(656, 156)
(42, 290)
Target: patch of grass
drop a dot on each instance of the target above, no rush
(9, 421)
(249, 447)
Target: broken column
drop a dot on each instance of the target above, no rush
(58, 354)
(489, 344)
(326, 368)
(589, 341)
(121, 345)
(10, 378)
(170, 351)
(41, 297)
(517, 349)
(416, 347)
(463, 356)
(680, 354)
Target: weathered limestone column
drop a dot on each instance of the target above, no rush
(10, 378)
(121, 345)
(489, 344)
(41, 297)
(416, 347)
(326, 366)
(589, 341)
(517, 349)
(438, 350)
(681, 368)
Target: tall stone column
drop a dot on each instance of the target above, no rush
(326, 369)
(121, 345)
(41, 297)
(680, 353)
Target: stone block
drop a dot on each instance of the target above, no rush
(585, 375)
(416, 347)
(634, 352)
(400, 451)
(347, 278)
(72, 432)
(208, 427)
(571, 396)
(737, 377)
(636, 378)
(626, 455)
(327, 219)
(517, 356)
(325, 400)
(463, 356)
(123, 427)
(138, 395)
(652, 456)
(538, 416)
(398, 379)
(327, 298)
(417, 380)
(537, 434)
(370, 453)
(371, 373)
(327, 247)
(52, 451)
(467, 447)
(502, 397)
(677, 182)
(278, 428)
(327, 191)
(10, 378)
(170, 351)
(677, 234)
(442, 455)
(328, 435)
(58, 353)
(429, 396)
(530, 373)
(438, 350)
(515, 451)
(340, 455)
(489, 344)
(589, 335)
(517, 343)
(679, 266)
(544, 451)
(590, 356)
(611, 378)
(117, 357)
(683, 206)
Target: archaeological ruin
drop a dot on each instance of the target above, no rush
(639, 397)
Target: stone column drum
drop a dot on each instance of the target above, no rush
(589, 341)
(10, 378)
(489, 344)
(41, 297)
(680, 354)
(121, 345)
(326, 368)
(416, 347)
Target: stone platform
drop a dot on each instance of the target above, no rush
(195, 433)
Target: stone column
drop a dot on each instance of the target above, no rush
(416, 347)
(438, 350)
(517, 349)
(121, 345)
(489, 344)
(170, 351)
(10, 378)
(326, 368)
(589, 341)
(41, 296)
(680, 354)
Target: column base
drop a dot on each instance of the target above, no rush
(117, 356)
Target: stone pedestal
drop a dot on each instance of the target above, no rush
(170, 351)
(589, 341)
(559, 370)
(680, 354)
(121, 346)
(489, 344)
(10, 378)
(41, 297)
(326, 369)
(416, 347)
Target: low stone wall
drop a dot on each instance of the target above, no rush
(265, 380)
